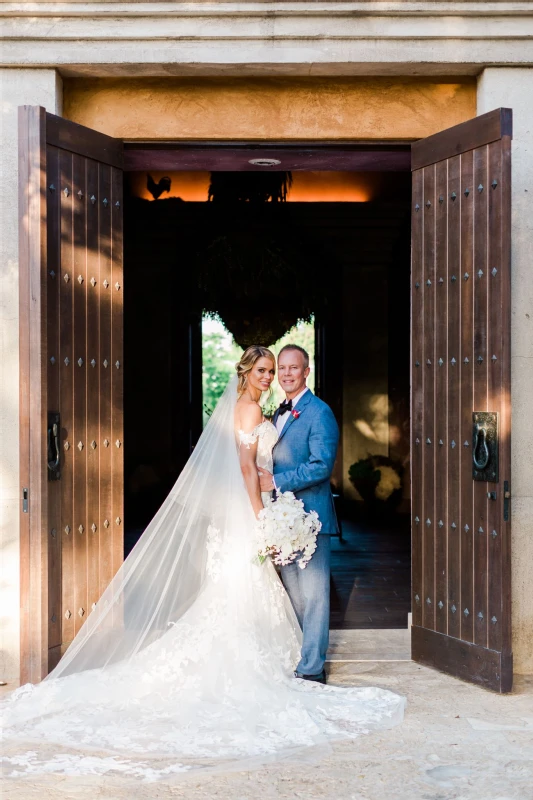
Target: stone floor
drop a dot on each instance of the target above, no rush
(457, 742)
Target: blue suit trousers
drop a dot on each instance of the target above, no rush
(309, 592)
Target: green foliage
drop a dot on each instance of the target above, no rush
(220, 354)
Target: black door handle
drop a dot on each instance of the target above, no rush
(54, 450)
(480, 446)
(485, 446)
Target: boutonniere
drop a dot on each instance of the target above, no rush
(295, 413)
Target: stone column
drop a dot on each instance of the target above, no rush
(513, 88)
(17, 87)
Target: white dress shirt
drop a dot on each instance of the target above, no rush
(282, 418)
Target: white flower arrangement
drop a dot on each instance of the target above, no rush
(286, 532)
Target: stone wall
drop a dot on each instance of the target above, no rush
(514, 88)
(269, 37)
(40, 87)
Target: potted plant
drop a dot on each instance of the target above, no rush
(378, 479)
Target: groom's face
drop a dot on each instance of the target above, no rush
(292, 372)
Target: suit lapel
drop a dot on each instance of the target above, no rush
(302, 403)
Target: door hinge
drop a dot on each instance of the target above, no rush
(25, 500)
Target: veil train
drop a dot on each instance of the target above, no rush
(186, 661)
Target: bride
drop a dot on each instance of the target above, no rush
(187, 660)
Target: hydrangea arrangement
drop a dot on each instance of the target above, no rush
(286, 532)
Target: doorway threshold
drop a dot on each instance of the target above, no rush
(370, 645)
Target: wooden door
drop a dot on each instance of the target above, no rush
(460, 351)
(71, 430)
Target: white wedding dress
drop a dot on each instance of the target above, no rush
(187, 661)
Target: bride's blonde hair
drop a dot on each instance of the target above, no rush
(248, 359)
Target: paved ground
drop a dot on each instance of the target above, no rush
(457, 742)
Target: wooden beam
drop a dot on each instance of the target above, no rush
(488, 668)
(238, 157)
(77, 139)
(468, 135)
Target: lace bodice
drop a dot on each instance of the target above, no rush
(266, 436)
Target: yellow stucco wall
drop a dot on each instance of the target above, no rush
(307, 108)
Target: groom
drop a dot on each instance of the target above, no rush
(303, 462)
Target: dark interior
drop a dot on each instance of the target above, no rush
(362, 341)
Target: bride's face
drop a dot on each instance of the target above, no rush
(262, 374)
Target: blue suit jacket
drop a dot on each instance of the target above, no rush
(304, 456)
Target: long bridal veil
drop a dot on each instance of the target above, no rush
(186, 661)
(166, 570)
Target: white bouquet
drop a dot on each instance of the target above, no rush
(286, 532)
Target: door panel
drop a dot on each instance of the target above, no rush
(117, 358)
(441, 474)
(71, 312)
(54, 487)
(460, 305)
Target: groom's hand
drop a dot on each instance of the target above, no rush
(266, 480)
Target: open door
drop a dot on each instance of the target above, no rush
(71, 429)
(460, 403)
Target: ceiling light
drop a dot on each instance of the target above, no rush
(264, 162)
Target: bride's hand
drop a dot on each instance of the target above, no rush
(266, 480)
